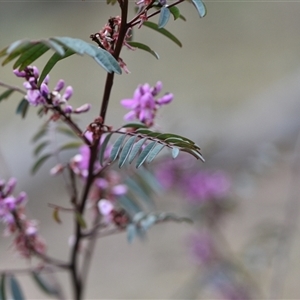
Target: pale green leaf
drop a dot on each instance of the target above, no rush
(103, 147)
(117, 147)
(144, 154)
(39, 163)
(135, 149)
(175, 152)
(154, 152)
(164, 17)
(126, 150)
(200, 7)
(15, 288)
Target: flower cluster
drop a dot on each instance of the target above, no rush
(198, 186)
(107, 38)
(143, 105)
(41, 95)
(12, 215)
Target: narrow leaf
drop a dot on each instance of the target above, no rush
(145, 48)
(15, 288)
(130, 206)
(163, 32)
(131, 232)
(30, 56)
(42, 131)
(144, 131)
(80, 220)
(175, 12)
(175, 152)
(144, 154)
(154, 152)
(126, 150)
(52, 62)
(165, 136)
(22, 108)
(16, 46)
(135, 149)
(40, 147)
(54, 46)
(103, 148)
(23, 47)
(39, 163)
(134, 125)
(6, 94)
(200, 7)
(149, 178)
(3, 52)
(67, 132)
(163, 17)
(198, 155)
(2, 287)
(117, 147)
(43, 284)
(55, 216)
(71, 145)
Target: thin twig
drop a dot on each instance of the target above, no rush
(12, 87)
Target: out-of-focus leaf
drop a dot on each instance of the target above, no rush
(144, 154)
(174, 10)
(3, 52)
(55, 46)
(30, 56)
(150, 179)
(103, 148)
(15, 288)
(117, 147)
(102, 57)
(22, 46)
(52, 62)
(71, 145)
(41, 133)
(67, 132)
(194, 153)
(39, 148)
(130, 206)
(175, 152)
(80, 220)
(39, 163)
(134, 125)
(154, 152)
(55, 216)
(44, 285)
(6, 94)
(164, 17)
(3, 287)
(135, 149)
(145, 48)
(131, 232)
(182, 17)
(163, 32)
(126, 150)
(200, 7)
(22, 108)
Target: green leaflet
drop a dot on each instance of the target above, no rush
(174, 10)
(135, 149)
(29, 56)
(3, 287)
(40, 162)
(56, 57)
(13, 52)
(6, 94)
(163, 32)
(144, 154)
(22, 108)
(164, 17)
(134, 125)
(39, 148)
(200, 7)
(126, 150)
(154, 152)
(103, 147)
(71, 145)
(117, 147)
(44, 285)
(145, 48)
(175, 152)
(15, 288)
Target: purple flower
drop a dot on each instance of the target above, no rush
(143, 105)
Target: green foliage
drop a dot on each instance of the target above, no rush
(174, 10)
(27, 52)
(144, 47)
(44, 284)
(22, 108)
(6, 94)
(3, 287)
(164, 17)
(163, 31)
(200, 7)
(15, 288)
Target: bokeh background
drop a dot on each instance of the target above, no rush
(236, 82)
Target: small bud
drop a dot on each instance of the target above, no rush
(57, 169)
(21, 198)
(19, 73)
(68, 93)
(35, 71)
(68, 109)
(60, 85)
(83, 108)
(167, 98)
(10, 185)
(105, 207)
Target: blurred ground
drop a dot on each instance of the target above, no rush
(236, 85)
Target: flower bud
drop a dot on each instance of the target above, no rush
(83, 108)
(60, 85)
(68, 93)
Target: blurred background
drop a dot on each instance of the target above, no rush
(236, 82)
